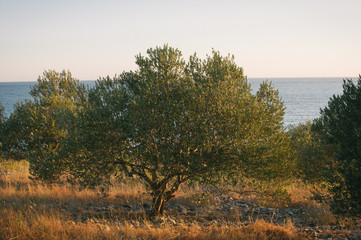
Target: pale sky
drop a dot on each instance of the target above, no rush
(269, 38)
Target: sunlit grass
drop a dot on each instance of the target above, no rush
(28, 223)
(38, 211)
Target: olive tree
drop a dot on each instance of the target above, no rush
(2, 122)
(173, 121)
(2, 113)
(16, 132)
(340, 126)
(37, 126)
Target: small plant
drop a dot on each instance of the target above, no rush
(319, 214)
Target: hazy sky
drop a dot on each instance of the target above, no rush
(270, 38)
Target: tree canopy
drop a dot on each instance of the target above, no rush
(37, 126)
(2, 122)
(169, 122)
(340, 126)
(173, 121)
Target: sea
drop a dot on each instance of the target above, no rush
(303, 97)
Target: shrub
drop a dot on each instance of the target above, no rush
(36, 127)
(2, 122)
(310, 154)
(340, 125)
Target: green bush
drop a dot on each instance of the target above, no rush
(309, 153)
(2, 122)
(340, 125)
(37, 126)
(2, 113)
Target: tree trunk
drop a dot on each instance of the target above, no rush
(161, 197)
(158, 206)
(159, 201)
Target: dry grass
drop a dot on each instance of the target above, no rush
(300, 193)
(51, 224)
(257, 230)
(315, 213)
(14, 171)
(16, 186)
(39, 211)
(319, 214)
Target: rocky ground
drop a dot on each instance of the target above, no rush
(227, 211)
(309, 222)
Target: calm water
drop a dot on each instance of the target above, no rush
(303, 97)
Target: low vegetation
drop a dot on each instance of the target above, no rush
(63, 211)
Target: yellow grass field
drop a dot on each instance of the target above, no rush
(37, 211)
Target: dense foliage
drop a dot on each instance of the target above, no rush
(2, 123)
(2, 113)
(340, 125)
(168, 122)
(37, 126)
(310, 154)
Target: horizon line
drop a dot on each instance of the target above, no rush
(21, 81)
